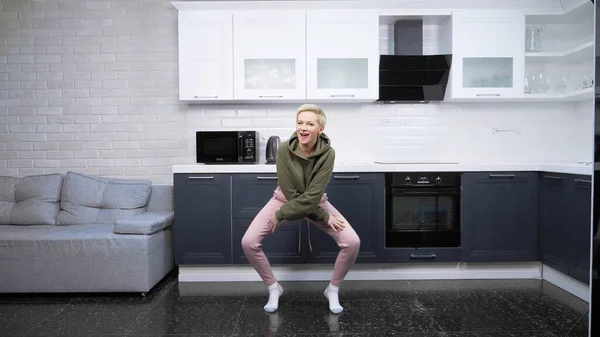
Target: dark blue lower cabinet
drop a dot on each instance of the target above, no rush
(565, 223)
(251, 192)
(553, 230)
(499, 216)
(285, 246)
(202, 224)
(579, 264)
(505, 217)
(360, 197)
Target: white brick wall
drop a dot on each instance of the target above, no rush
(91, 86)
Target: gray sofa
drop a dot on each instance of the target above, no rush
(81, 233)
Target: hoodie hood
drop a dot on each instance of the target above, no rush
(323, 145)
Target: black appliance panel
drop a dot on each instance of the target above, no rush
(413, 78)
(423, 210)
(226, 147)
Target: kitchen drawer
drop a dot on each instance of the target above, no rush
(251, 192)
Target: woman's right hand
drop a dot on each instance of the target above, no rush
(336, 224)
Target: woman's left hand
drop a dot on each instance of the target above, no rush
(273, 223)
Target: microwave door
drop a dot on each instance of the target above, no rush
(217, 147)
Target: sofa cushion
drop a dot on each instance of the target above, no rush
(146, 224)
(30, 200)
(92, 240)
(98, 200)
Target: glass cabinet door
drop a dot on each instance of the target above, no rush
(270, 55)
(342, 55)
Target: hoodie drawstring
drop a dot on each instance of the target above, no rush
(309, 242)
(300, 235)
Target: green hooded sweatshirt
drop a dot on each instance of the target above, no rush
(303, 180)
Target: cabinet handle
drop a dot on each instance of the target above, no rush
(341, 95)
(422, 257)
(487, 95)
(582, 181)
(266, 178)
(262, 96)
(552, 177)
(201, 178)
(502, 175)
(346, 177)
(197, 96)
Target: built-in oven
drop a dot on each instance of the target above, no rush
(226, 147)
(422, 210)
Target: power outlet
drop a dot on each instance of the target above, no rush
(506, 131)
(396, 121)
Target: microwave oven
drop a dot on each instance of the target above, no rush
(226, 147)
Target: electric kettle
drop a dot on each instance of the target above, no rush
(271, 153)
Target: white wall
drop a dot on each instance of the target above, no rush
(91, 86)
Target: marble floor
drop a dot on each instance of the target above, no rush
(461, 308)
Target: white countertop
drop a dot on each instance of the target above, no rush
(571, 168)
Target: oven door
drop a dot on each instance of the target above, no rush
(423, 217)
(218, 146)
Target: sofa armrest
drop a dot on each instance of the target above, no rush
(146, 223)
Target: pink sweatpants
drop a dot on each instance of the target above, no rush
(346, 239)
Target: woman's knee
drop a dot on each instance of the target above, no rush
(355, 242)
(352, 242)
(249, 241)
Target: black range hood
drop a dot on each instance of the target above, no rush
(408, 76)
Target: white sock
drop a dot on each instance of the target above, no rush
(275, 291)
(331, 292)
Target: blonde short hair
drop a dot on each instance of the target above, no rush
(316, 109)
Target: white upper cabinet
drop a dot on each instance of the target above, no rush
(342, 55)
(270, 55)
(329, 51)
(559, 54)
(205, 55)
(488, 54)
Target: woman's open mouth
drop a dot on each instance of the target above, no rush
(304, 135)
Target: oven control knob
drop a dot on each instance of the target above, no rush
(407, 180)
(438, 179)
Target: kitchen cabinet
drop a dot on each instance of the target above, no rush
(579, 262)
(205, 55)
(559, 54)
(202, 210)
(342, 55)
(321, 53)
(506, 217)
(488, 54)
(359, 197)
(564, 230)
(269, 62)
(554, 218)
(251, 192)
(499, 216)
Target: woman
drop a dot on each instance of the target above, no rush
(304, 167)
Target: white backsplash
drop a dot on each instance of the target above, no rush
(532, 132)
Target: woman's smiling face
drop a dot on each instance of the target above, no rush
(308, 128)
